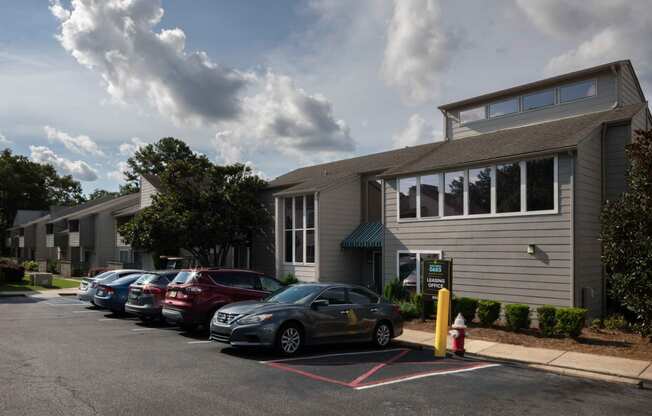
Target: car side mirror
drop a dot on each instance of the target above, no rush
(319, 303)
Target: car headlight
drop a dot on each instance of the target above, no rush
(254, 319)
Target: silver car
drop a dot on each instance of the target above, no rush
(88, 285)
(308, 314)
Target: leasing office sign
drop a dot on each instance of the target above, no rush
(436, 275)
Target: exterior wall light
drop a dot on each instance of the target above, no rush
(531, 248)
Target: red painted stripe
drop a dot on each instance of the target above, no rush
(307, 374)
(374, 370)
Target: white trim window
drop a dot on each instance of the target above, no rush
(525, 187)
(299, 229)
(408, 266)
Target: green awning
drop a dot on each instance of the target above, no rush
(368, 235)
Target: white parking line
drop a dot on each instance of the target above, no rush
(108, 319)
(439, 373)
(143, 329)
(83, 311)
(199, 342)
(282, 360)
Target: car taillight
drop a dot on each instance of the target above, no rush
(152, 290)
(108, 289)
(193, 290)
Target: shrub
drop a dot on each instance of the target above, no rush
(394, 291)
(488, 312)
(547, 320)
(289, 279)
(408, 310)
(11, 271)
(570, 321)
(467, 307)
(596, 324)
(30, 266)
(52, 266)
(615, 323)
(517, 316)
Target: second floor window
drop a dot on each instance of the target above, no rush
(299, 229)
(73, 226)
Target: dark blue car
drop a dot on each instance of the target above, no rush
(113, 295)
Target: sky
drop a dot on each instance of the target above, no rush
(283, 84)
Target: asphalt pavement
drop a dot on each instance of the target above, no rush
(61, 357)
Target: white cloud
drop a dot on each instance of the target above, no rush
(4, 141)
(283, 118)
(81, 144)
(118, 174)
(600, 32)
(78, 169)
(417, 131)
(117, 39)
(131, 147)
(418, 50)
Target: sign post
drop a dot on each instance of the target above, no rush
(435, 275)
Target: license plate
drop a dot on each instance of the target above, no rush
(173, 293)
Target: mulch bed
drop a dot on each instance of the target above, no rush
(604, 342)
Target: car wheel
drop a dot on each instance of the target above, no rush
(289, 340)
(382, 334)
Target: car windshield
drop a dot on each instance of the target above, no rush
(294, 294)
(184, 277)
(146, 278)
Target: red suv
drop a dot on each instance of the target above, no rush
(194, 295)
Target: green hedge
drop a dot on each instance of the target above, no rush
(547, 320)
(467, 307)
(488, 312)
(394, 291)
(289, 279)
(409, 310)
(30, 266)
(570, 321)
(517, 316)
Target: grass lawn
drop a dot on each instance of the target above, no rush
(24, 286)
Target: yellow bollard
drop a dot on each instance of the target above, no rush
(441, 326)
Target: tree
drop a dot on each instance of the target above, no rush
(29, 185)
(101, 193)
(154, 158)
(202, 208)
(627, 236)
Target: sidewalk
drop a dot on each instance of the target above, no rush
(565, 362)
(49, 293)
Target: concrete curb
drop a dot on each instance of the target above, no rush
(567, 371)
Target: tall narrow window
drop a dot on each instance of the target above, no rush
(508, 188)
(407, 197)
(480, 191)
(454, 193)
(300, 229)
(288, 229)
(310, 228)
(429, 196)
(540, 184)
(407, 270)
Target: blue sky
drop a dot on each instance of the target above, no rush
(278, 84)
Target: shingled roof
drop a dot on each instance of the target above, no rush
(548, 137)
(319, 177)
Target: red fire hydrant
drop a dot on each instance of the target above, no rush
(457, 333)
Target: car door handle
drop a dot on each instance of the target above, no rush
(344, 312)
(373, 309)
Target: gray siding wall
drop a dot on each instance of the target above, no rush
(629, 93)
(588, 203)
(616, 138)
(604, 100)
(41, 251)
(262, 256)
(87, 232)
(105, 239)
(147, 190)
(339, 215)
(490, 254)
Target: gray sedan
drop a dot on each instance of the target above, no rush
(308, 314)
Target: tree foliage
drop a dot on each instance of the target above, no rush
(202, 208)
(29, 185)
(627, 236)
(154, 158)
(101, 193)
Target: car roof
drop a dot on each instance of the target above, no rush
(219, 270)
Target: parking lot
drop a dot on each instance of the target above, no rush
(59, 356)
